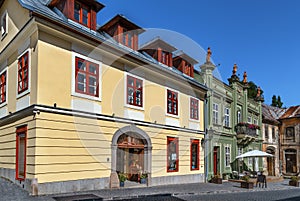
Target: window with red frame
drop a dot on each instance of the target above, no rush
(127, 38)
(82, 13)
(21, 136)
(134, 91)
(165, 58)
(172, 102)
(195, 150)
(23, 69)
(172, 154)
(87, 77)
(194, 109)
(3, 87)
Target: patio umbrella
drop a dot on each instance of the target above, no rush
(254, 153)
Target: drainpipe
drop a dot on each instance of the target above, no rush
(206, 138)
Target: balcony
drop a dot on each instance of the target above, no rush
(246, 133)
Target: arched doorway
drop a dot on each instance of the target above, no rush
(290, 161)
(131, 152)
(130, 156)
(271, 161)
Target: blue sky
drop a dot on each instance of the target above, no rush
(261, 36)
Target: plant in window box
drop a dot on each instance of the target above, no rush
(246, 182)
(122, 178)
(216, 179)
(294, 181)
(143, 178)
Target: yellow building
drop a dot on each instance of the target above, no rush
(81, 105)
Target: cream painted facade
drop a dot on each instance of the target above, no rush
(71, 142)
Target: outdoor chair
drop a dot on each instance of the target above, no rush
(261, 180)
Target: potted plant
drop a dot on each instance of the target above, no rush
(246, 182)
(122, 178)
(294, 181)
(216, 179)
(143, 178)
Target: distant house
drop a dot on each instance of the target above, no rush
(270, 134)
(80, 104)
(290, 141)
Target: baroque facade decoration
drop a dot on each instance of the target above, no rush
(233, 123)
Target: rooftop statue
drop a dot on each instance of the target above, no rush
(208, 55)
(234, 69)
(258, 92)
(245, 77)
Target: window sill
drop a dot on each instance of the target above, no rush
(226, 127)
(79, 95)
(135, 107)
(195, 120)
(22, 94)
(172, 115)
(3, 104)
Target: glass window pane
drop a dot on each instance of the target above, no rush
(93, 68)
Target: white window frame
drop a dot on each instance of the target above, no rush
(250, 160)
(227, 117)
(126, 74)
(239, 116)
(255, 121)
(249, 119)
(19, 95)
(195, 120)
(215, 113)
(73, 92)
(4, 33)
(227, 156)
(166, 104)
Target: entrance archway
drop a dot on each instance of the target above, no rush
(271, 161)
(131, 152)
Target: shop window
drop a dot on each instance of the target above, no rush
(172, 154)
(195, 152)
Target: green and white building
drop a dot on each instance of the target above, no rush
(233, 123)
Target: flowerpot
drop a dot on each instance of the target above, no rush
(248, 185)
(143, 181)
(122, 183)
(294, 183)
(216, 180)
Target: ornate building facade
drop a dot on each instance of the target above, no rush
(233, 123)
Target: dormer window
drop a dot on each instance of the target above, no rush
(184, 63)
(127, 38)
(165, 58)
(159, 50)
(82, 14)
(123, 31)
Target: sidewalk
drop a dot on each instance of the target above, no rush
(10, 192)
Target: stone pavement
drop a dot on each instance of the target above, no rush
(11, 192)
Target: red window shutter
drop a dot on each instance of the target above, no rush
(93, 20)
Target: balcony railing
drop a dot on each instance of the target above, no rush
(246, 132)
